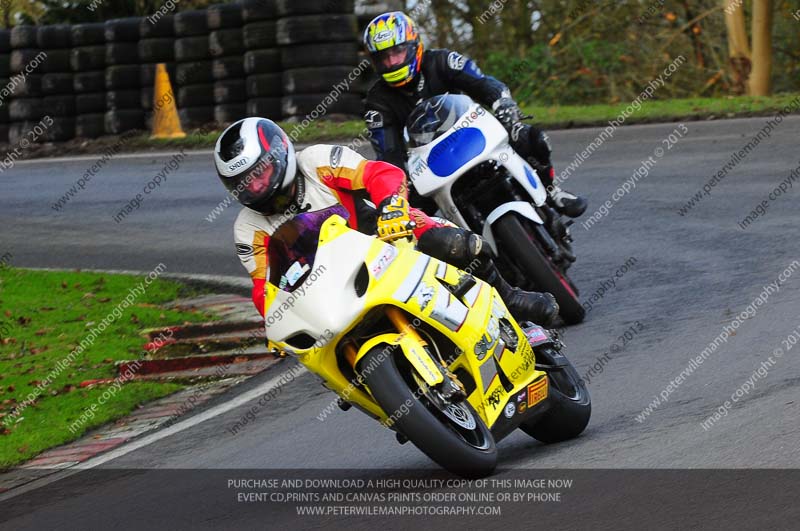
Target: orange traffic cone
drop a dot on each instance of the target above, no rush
(166, 123)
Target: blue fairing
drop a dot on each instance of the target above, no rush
(531, 177)
(455, 151)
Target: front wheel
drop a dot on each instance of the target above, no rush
(571, 405)
(455, 437)
(521, 248)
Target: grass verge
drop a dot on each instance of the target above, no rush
(545, 116)
(44, 316)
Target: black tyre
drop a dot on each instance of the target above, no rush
(4, 133)
(262, 61)
(518, 245)
(157, 50)
(89, 81)
(62, 129)
(230, 91)
(57, 61)
(191, 49)
(196, 95)
(146, 98)
(57, 84)
(156, 26)
(90, 103)
(264, 107)
(457, 439)
(226, 42)
(90, 125)
(29, 86)
(304, 55)
(190, 23)
(321, 79)
(88, 34)
(123, 29)
(260, 35)
(230, 112)
(570, 403)
(196, 116)
(23, 37)
(288, 8)
(123, 99)
(25, 109)
(193, 73)
(122, 77)
(309, 28)
(5, 71)
(264, 85)
(55, 36)
(5, 43)
(224, 16)
(88, 58)
(255, 10)
(122, 53)
(228, 68)
(31, 58)
(301, 105)
(19, 131)
(117, 122)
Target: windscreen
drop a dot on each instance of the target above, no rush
(435, 116)
(293, 247)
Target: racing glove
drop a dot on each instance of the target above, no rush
(507, 112)
(393, 219)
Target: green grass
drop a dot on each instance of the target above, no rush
(43, 318)
(548, 116)
(659, 110)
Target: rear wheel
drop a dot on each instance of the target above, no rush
(520, 246)
(570, 406)
(455, 436)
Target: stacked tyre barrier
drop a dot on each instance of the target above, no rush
(262, 61)
(281, 59)
(25, 105)
(123, 91)
(319, 58)
(226, 43)
(5, 87)
(195, 82)
(88, 64)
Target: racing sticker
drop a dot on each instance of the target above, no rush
(381, 263)
(244, 250)
(537, 391)
(336, 156)
(510, 410)
(456, 61)
(373, 119)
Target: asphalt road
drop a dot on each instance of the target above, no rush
(690, 276)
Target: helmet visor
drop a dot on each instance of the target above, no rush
(263, 181)
(394, 58)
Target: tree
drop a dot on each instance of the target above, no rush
(752, 71)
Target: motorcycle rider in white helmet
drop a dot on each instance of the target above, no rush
(256, 162)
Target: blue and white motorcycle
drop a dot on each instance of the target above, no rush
(460, 157)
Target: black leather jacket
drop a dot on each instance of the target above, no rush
(387, 108)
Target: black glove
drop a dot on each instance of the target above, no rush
(508, 112)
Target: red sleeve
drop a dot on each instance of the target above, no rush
(258, 294)
(382, 180)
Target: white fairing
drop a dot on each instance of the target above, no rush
(310, 308)
(496, 149)
(520, 207)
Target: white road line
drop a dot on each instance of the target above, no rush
(178, 427)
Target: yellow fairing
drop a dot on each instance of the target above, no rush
(415, 283)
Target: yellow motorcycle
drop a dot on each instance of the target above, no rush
(426, 349)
